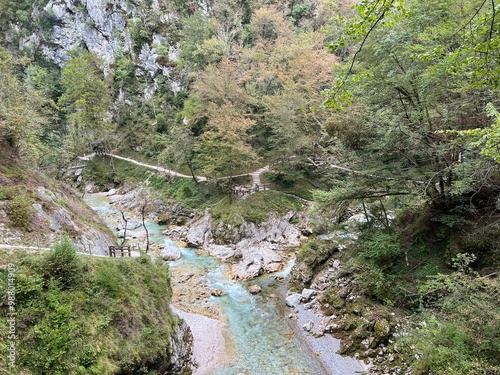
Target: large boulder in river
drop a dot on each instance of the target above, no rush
(199, 233)
(308, 294)
(293, 300)
(171, 252)
(132, 224)
(256, 259)
(254, 289)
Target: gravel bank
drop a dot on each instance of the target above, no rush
(209, 347)
(325, 347)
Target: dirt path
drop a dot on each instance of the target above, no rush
(255, 174)
(133, 253)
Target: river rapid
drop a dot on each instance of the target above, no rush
(260, 338)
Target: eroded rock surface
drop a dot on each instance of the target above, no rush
(252, 249)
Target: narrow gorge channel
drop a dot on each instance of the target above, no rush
(259, 337)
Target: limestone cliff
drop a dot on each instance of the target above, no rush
(110, 30)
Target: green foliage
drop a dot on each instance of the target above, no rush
(460, 333)
(108, 172)
(487, 139)
(382, 248)
(86, 99)
(138, 33)
(398, 78)
(196, 29)
(62, 264)
(124, 70)
(161, 123)
(375, 283)
(185, 191)
(45, 80)
(115, 318)
(20, 212)
(53, 334)
(23, 111)
(256, 208)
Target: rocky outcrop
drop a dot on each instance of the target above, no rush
(331, 295)
(55, 210)
(256, 258)
(74, 218)
(170, 252)
(276, 230)
(199, 233)
(252, 249)
(110, 30)
(164, 213)
(181, 352)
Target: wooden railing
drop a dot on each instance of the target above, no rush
(121, 249)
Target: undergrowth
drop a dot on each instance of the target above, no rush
(256, 208)
(85, 315)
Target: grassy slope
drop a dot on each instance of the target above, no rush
(113, 317)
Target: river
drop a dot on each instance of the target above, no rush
(263, 340)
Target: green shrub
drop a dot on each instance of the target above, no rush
(4, 194)
(62, 263)
(20, 212)
(115, 318)
(459, 332)
(256, 208)
(382, 247)
(375, 283)
(53, 334)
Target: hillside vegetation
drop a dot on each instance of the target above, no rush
(385, 113)
(88, 315)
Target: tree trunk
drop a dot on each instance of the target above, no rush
(190, 166)
(365, 211)
(125, 228)
(145, 228)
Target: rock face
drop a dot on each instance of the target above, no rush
(109, 29)
(199, 233)
(180, 350)
(253, 249)
(256, 258)
(87, 231)
(100, 27)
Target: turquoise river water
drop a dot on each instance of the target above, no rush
(262, 337)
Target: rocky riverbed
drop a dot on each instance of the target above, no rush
(327, 302)
(250, 249)
(258, 334)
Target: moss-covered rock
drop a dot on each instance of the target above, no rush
(381, 332)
